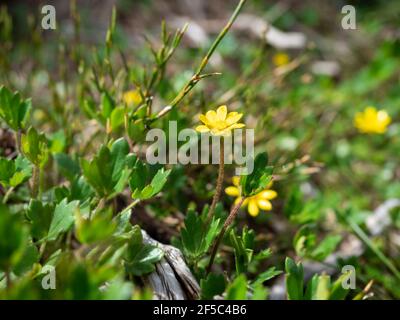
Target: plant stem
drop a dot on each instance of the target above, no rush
(126, 123)
(8, 278)
(361, 234)
(220, 181)
(41, 179)
(228, 221)
(100, 205)
(7, 195)
(196, 77)
(35, 181)
(18, 141)
(42, 248)
(130, 206)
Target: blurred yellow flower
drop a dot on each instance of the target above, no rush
(280, 59)
(220, 122)
(254, 203)
(372, 120)
(132, 97)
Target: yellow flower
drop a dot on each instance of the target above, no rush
(280, 59)
(372, 120)
(132, 97)
(220, 122)
(254, 203)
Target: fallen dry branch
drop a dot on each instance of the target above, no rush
(172, 279)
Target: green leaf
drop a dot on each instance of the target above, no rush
(119, 152)
(139, 175)
(140, 257)
(259, 292)
(123, 222)
(259, 179)
(107, 172)
(107, 105)
(338, 292)
(237, 290)
(144, 260)
(192, 235)
(118, 290)
(310, 212)
(29, 258)
(68, 167)
(294, 279)
(263, 254)
(294, 203)
(13, 238)
(159, 180)
(117, 118)
(155, 186)
(213, 285)
(14, 172)
(299, 211)
(89, 108)
(304, 240)
(306, 245)
(13, 110)
(248, 237)
(80, 190)
(136, 130)
(23, 171)
(318, 288)
(57, 141)
(97, 228)
(326, 247)
(243, 248)
(97, 171)
(34, 146)
(63, 219)
(195, 238)
(40, 216)
(7, 170)
(54, 258)
(212, 232)
(266, 275)
(79, 282)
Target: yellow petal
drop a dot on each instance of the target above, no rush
(217, 132)
(202, 129)
(225, 132)
(232, 191)
(237, 126)
(233, 117)
(371, 120)
(211, 117)
(236, 181)
(383, 117)
(280, 59)
(203, 119)
(264, 204)
(132, 97)
(253, 208)
(268, 194)
(358, 120)
(370, 112)
(238, 199)
(221, 113)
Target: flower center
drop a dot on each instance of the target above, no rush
(220, 124)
